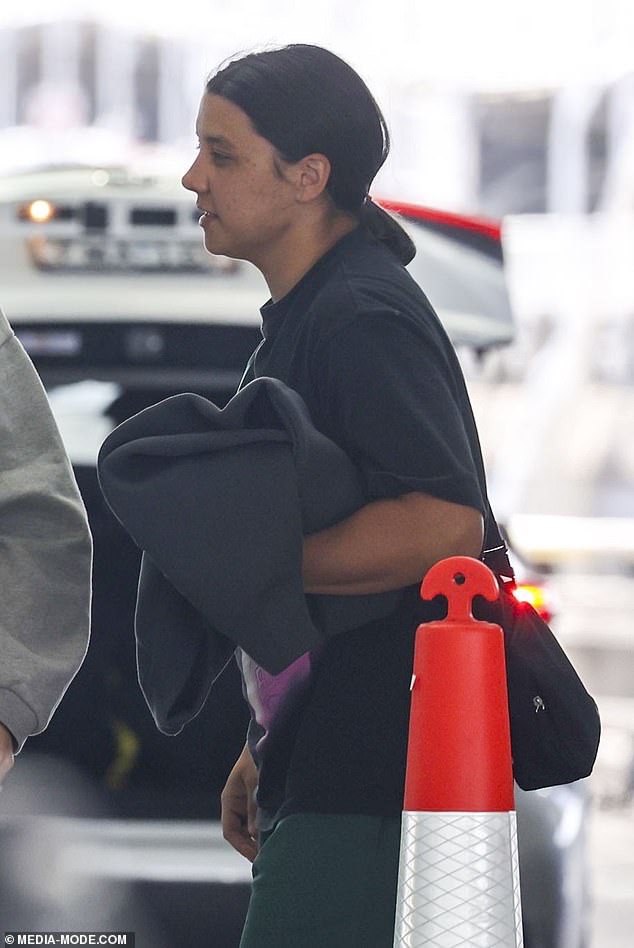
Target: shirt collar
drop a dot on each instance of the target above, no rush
(273, 312)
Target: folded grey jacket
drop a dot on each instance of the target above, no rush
(218, 500)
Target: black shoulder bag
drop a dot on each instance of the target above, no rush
(555, 725)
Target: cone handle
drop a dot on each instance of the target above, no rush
(459, 579)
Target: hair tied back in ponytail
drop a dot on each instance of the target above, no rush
(385, 228)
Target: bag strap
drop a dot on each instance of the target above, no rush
(495, 552)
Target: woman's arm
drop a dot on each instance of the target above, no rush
(389, 544)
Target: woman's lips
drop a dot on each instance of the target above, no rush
(206, 218)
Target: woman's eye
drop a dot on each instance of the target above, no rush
(219, 158)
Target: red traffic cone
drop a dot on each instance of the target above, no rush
(459, 873)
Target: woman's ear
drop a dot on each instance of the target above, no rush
(313, 173)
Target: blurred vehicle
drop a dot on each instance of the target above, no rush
(107, 284)
(114, 218)
(531, 582)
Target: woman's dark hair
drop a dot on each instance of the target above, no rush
(304, 99)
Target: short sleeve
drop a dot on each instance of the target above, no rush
(394, 399)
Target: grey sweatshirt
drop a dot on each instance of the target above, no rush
(45, 551)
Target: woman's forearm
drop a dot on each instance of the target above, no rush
(389, 544)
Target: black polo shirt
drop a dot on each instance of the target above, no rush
(360, 342)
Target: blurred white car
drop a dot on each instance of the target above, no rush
(107, 284)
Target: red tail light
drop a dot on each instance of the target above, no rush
(536, 596)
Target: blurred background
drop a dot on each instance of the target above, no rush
(518, 112)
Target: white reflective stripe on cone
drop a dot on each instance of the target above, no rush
(458, 881)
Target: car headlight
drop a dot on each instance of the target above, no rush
(38, 211)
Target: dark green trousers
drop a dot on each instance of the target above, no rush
(325, 881)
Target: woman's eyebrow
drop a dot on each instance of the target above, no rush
(218, 140)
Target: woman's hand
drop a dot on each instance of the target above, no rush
(238, 806)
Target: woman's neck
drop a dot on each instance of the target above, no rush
(300, 251)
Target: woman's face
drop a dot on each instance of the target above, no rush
(247, 205)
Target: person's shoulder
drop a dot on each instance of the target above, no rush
(366, 282)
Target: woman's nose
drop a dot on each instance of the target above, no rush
(189, 178)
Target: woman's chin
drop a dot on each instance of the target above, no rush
(214, 246)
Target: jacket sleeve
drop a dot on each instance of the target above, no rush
(45, 551)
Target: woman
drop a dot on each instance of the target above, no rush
(290, 142)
